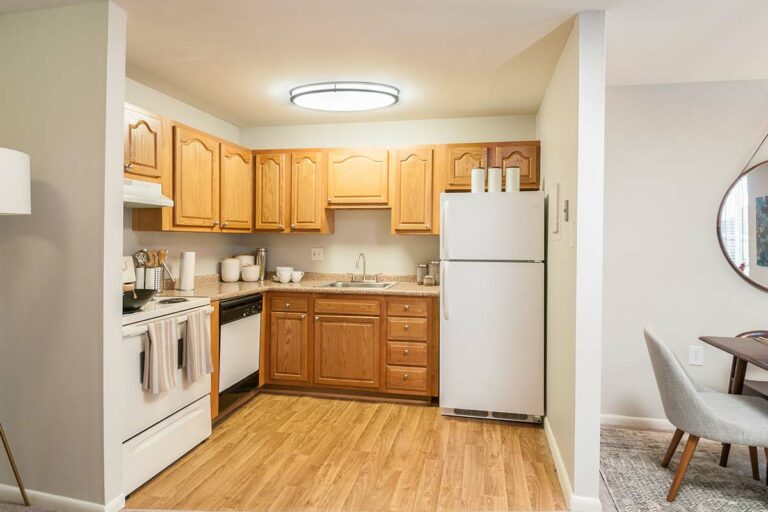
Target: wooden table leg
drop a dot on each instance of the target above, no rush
(735, 387)
(16, 473)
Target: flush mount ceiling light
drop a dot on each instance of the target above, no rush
(344, 96)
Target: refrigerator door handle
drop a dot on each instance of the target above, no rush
(443, 232)
(444, 286)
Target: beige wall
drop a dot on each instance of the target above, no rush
(671, 153)
(61, 87)
(558, 131)
(427, 131)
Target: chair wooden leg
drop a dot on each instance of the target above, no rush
(690, 447)
(16, 473)
(753, 460)
(672, 447)
(766, 459)
(726, 450)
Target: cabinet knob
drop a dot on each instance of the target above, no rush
(428, 226)
(405, 352)
(317, 318)
(406, 327)
(224, 224)
(405, 376)
(287, 304)
(280, 226)
(303, 316)
(406, 307)
(215, 223)
(128, 166)
(293, 226)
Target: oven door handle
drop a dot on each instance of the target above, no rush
(139, 329)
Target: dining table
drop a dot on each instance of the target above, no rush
(748, 348)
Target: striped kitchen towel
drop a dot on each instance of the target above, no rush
(197, 345)
(161, 356)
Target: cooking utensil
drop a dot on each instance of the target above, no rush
(131, 304)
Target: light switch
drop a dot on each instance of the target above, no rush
(316, 254)
(696, 355)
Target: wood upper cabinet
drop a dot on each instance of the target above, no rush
(236, 188)
(307, 188)
(460, 161)
(347, 351)
(412, 178)
(288, 346)
(272, 186)
(358, 178)
(195, 179)
(524, 155)
(143, 143)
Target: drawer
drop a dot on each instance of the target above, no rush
(408, 329)
(406, 354)
(408, 379)
(347, 307)
(407, 307)
(289, 304)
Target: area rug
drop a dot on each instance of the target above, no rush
(630, 466)
(17, 507)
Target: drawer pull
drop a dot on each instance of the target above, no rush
(405, 376)
(405, 352)
(287, 304)
(303, 316)
(406, 307)
(317, 318)
(406, 327)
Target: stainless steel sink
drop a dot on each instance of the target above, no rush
(356, 284)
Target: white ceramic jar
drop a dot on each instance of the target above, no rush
(230, 270)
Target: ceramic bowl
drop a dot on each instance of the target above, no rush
(251, 273)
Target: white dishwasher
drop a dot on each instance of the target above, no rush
(239, 341)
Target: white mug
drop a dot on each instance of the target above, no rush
(296, 276)
(284, 276)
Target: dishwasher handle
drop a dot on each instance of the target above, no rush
(237, 309)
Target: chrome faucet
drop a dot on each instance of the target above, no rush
(357, 265)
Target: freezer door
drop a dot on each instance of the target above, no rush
(496, 226)
(492, 337)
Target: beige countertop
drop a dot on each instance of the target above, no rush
(212, 287)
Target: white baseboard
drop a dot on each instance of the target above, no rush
(562, 473)
(585, 504)
(10, 493)
(637, 422)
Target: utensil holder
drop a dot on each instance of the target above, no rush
(154, 279)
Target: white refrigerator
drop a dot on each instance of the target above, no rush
(492, 305)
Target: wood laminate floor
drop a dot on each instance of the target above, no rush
(301, 453)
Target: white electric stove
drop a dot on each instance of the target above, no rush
(162, 306)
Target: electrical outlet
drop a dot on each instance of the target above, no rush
(696, 355)
(316, 253)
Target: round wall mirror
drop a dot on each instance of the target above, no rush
(742, 225)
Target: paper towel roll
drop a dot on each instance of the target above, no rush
(478, 179)
(494, 179)
(187, 271)
(513, 179)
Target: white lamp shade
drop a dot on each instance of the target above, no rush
(14, 183)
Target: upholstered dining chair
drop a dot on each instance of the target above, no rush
(702, 412)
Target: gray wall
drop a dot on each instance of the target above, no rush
(59, 315)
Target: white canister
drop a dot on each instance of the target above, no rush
(494, 179)
(246, 259)
(230, 270)
(478, 179)
(513, 179)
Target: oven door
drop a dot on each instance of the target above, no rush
(142, 409)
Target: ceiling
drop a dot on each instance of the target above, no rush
(237, 59)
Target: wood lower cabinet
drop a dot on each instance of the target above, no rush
(347, 351)
(288, 345)
(412, 178)
(358, 178)
(236, 181)
(377, 344)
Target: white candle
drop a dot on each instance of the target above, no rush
(478, 179)
(513, 179)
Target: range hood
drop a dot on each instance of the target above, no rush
(143, 194)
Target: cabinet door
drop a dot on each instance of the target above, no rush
(271, 191)
(412, 209)
(288, 347)
(143, 144)
(236, 188)
(524, 156)
(195, 179)
(306, 190)
(358, 177)
(347, 351)
(461, 160)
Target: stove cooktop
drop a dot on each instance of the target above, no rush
(162, 306)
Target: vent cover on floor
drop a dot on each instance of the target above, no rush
(470, 412)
